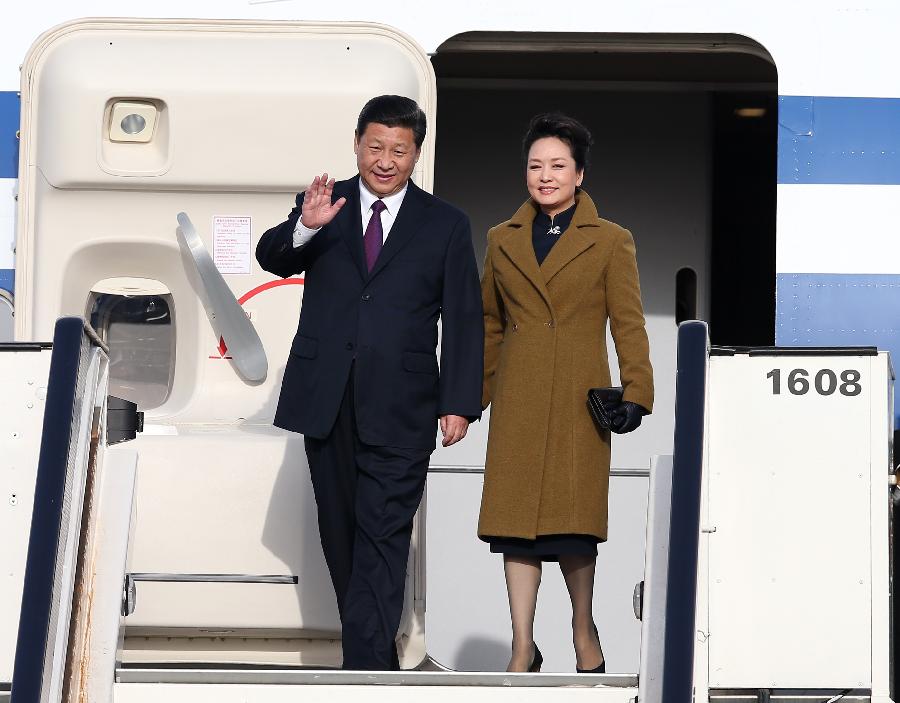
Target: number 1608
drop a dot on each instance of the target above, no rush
(825, 382)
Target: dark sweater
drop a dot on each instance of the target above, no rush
(541, 236)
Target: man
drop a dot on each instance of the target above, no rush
(383, 260)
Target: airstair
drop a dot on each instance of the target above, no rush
(78, 590)
(742, 598)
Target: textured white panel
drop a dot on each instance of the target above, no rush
(112, 520)
(459, 689)
(838, 229)
(23, 378)
(236, 501)
(656, 579)
(789, 499)
(882, 531)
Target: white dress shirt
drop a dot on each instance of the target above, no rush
(392, 203)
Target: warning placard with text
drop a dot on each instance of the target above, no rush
(231, 243)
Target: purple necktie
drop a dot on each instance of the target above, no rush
(374, 236)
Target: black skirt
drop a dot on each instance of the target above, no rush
(544, 547)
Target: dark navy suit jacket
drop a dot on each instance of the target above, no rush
(386, 320)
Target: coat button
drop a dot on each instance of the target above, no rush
(515, 327)
(366, 298)
(550, 324)
(349, 346)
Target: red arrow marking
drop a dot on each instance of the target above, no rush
(222, 348)
(271, 284)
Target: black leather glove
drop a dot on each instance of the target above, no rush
(627, 417)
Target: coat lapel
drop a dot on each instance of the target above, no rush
(577, 239)
(412, 211)
(349, 223)
(518, 247)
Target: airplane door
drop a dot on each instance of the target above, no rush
(126, 123)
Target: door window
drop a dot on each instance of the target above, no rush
(137, 323)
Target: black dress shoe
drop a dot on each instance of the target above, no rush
(598, 669)
(536, 661)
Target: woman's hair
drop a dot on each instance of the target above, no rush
(564, 128)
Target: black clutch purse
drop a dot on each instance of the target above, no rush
(601, 402)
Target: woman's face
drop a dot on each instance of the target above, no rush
(551, 175)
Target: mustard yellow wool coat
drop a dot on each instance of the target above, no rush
(547, 466)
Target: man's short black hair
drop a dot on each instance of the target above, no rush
(563, 127)
(393, 111)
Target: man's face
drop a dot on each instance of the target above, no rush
(385, 157)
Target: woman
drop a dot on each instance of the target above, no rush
(554, 274)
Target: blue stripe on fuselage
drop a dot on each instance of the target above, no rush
(820, 139)
(838, 140)
(9, 143)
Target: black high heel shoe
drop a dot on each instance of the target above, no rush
(599, 669)
(536, 661)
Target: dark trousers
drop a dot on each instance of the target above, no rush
(366, 498)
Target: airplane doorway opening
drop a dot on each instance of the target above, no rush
(684, 155)
(685, 143)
